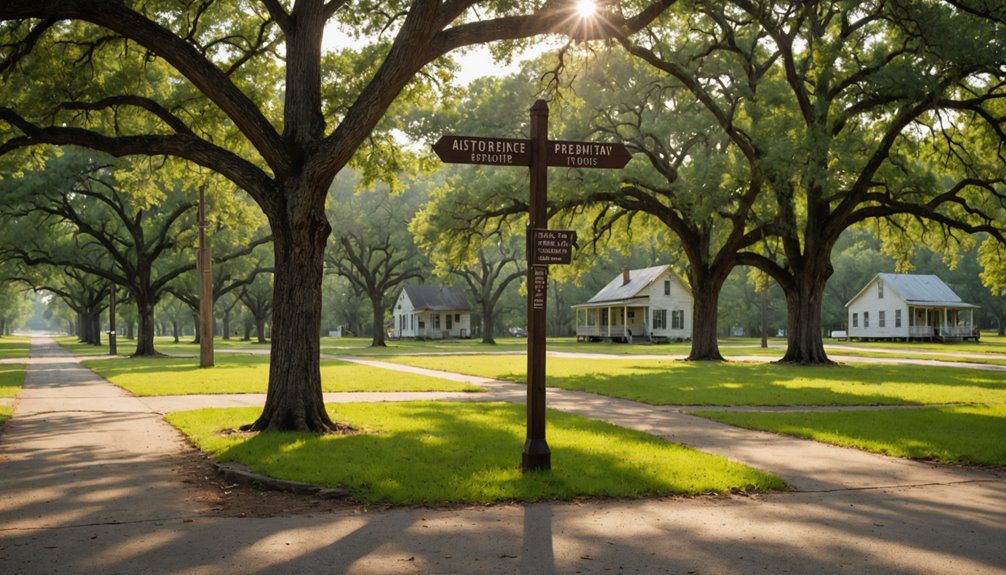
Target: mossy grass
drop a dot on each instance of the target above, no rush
(955, 434)
(668, 382)
(439, 452)
(14, 347)
(250, 374)
(11, 378)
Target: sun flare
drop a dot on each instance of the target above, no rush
(586, 8)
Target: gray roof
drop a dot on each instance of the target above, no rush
(639, 280)
(920, 289)
(437, 298)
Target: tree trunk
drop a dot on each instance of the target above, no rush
(226, 321)
(706, 288)
(804, 344)
(488, 323)
(260, 329)
(78, 327)
(174, 329)
(294, 399)
(1002, 326)
(763, 318)
(145, 341)
(377, 335)
(195, 326)
(247, 330)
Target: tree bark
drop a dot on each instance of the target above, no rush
(225, 320)
(294, 399)
(260, 329)
(377, 335)
(704, 319)
(174, 329)
(488, 322)
(247, 330)
(804, 344)
(145, 341)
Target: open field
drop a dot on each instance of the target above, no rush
(14, 346)
(958, 434)
(250, 374)
(431, 452)
(663, 382)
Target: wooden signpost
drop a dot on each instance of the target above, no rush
(545, 246)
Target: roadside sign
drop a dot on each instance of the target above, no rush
(552, 246)
(587, 155)
(475, 150)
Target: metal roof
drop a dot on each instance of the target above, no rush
(616, 291)
(918, 289)
(437, 298)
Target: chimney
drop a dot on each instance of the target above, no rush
(625, 275)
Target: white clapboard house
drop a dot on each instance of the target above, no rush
(432, 312)
(910, 306)
(650, 304)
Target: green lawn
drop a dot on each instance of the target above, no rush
(250, 374)
(663, 382)
(14, 346)
(959, 434)
(907, 354)
(5, 413)
(164, 345)
(433, 452)
(11, 378)
(989, 344)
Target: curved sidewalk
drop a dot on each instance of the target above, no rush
(87, 486)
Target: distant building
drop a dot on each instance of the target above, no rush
(910, 306)
(432, 312)
(649, 304)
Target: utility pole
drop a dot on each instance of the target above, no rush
(204, 265)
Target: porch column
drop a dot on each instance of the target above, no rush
(625, 321)
(609, 321)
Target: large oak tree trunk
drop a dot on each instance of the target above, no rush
(804, 344)
(705, 315)
(488, 323)
(294, 400)
(145, 341)
(377, 338)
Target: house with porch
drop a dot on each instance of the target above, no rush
(650, 304)
(910, 307)
(432, 312)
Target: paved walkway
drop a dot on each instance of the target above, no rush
(87, 486)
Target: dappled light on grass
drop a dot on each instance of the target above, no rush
(959, 434)
(431, 452)
(250, 374)
(11, 378)
(5, 413)
(14, 347)
(672, 382)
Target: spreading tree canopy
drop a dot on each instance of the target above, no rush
(244, 88)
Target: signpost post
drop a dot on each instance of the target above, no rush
(545, 246)
(204, 264)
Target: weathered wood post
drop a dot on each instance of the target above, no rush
(536, 454)
(205, 266)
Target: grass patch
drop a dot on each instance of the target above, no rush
(11, 347)
(434, 452)
(5, 413)
(250, 374)
(11, 378)
(663, 382)
(958, 434)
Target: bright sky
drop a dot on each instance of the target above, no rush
(475, 62)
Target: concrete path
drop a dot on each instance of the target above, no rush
(87, 486)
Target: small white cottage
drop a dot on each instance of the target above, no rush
(432, 312)
(910, 306)
(647, 304)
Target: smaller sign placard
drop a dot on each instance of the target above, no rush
(539, 286)
(553, 246)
